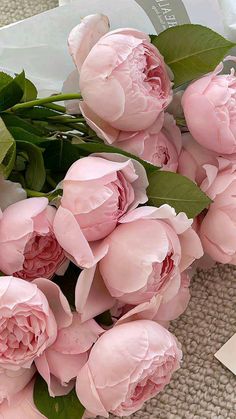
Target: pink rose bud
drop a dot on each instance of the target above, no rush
(123, 78)
(127, 365)
(97, 191)
(209, 108)
(160, 146)
(28, 247)
(146, 254)
(218, 228)
(31, 316)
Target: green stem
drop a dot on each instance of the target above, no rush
(79, 127)
(64, 120)
(49, 195)
(55, 107)
(33, 194)
(50, 99)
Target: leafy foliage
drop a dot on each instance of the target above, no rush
(191, 50)
(177, 191)
(7, 150)
(35, 174)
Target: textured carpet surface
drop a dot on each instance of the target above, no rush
(202, 388)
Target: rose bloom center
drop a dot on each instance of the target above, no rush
(20, 336)
(42, 257)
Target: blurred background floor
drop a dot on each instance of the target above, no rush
(202, 388)
(14, 10)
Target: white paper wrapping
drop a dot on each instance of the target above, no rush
(39, 44)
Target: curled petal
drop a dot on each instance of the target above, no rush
(68, 232)
(102, 128)
(147, 310)
(84, 36)
(91, 295)
(57, 301)
(55, 387)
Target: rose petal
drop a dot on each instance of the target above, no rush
(91, 295)
(84, 36)
(57, 301)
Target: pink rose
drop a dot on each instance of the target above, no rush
(218, 228)
(28, 247)
(146, 355)
(192, 159)
(61, 362)
(147, 253)
(22, 407)
(209, 105)
(93, 298)
(31, 315)
(159, 146)
(129, 86)
(97, 191)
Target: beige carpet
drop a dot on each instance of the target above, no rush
(202, 388)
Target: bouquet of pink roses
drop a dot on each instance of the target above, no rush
(105, 204)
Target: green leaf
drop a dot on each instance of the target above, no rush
(30, 92)
(191, 50)
(20, 134)
(11, 93)
(4, 79)
(177, 191)
(7, 150)
(37, 113)
(88, 148)
(64, 407)
(35, 174)
(13, 121)
(59, 154)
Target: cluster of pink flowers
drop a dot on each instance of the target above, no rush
(134, 262)
(135, 259)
